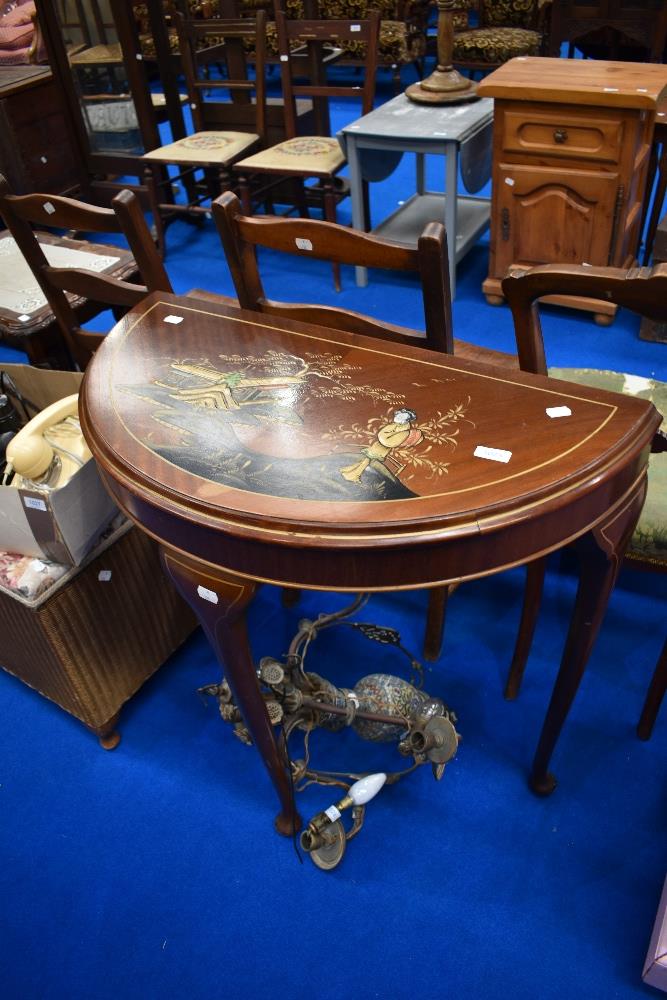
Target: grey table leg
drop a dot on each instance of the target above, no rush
(421, 186)
(451, 204)
(359, 220)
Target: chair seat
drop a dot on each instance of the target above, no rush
(316, 156)
(495, 45)
(204, 147)
(649, 541)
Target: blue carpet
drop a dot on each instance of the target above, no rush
(153, 871)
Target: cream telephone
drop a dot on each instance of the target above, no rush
(47, 452)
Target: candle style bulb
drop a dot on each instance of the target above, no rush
(365, 789)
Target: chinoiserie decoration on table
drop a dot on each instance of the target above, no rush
(382, 708)
(445, 85)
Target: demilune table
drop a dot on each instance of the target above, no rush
(257, 449)
(374, 145)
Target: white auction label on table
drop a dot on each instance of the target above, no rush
(492, 454)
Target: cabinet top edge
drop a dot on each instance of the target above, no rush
(577, 81)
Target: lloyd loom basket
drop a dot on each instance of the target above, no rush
(92, 640)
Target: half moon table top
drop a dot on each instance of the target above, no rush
(245, 439)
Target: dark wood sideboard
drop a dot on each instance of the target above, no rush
(37, 150)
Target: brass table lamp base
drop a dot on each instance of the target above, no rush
(445, 85)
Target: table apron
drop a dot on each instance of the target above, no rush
(375, 562)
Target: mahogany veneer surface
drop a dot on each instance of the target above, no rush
(263, 445)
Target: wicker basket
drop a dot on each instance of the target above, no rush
(99, 633)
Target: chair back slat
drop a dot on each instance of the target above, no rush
(56, 212)
(241, 235)
(226, 41)
(98, 287)
(316, 38)
(94, 291)
(644, 290)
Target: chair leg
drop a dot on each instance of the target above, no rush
(244, 194)
(656, 207)
(330, 216)
(531, 605)
(152, 190)
(654, 696)
(302, 200)
(435, 622)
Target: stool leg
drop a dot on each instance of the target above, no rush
(654, 696)
(107, 734)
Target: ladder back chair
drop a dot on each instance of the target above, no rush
(74, 293)
(305, 48)
(644, 291)
(241, 235)
(221, 135)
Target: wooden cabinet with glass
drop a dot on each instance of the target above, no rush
(572, 140)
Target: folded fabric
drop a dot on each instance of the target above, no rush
(28, 576)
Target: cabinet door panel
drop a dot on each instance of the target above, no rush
(545, 215)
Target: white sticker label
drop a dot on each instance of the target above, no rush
(445, 134)
(38, 566)
(303, 244)
(355, 27)
(173, 319)
(104, 575)
(139, 57)
(194, 107)
(23, 318)
(48, 208)
(509, 181)
(642, 90)
(332, 813)
(493, 454)
(610, 90)
(558, 411)
(34, 503)
(284, 58)
(207, 595)
(43, 159)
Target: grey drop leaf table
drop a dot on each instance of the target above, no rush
(374, 145)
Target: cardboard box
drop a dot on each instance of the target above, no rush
(655, 966)
(64, 524)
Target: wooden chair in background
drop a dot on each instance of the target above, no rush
(645, 292)
(624, 30)
(241, 235)
(503, 31)
(319, 156)
(211, 150)
(75, 294)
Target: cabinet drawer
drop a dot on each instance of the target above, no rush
(565, 135)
